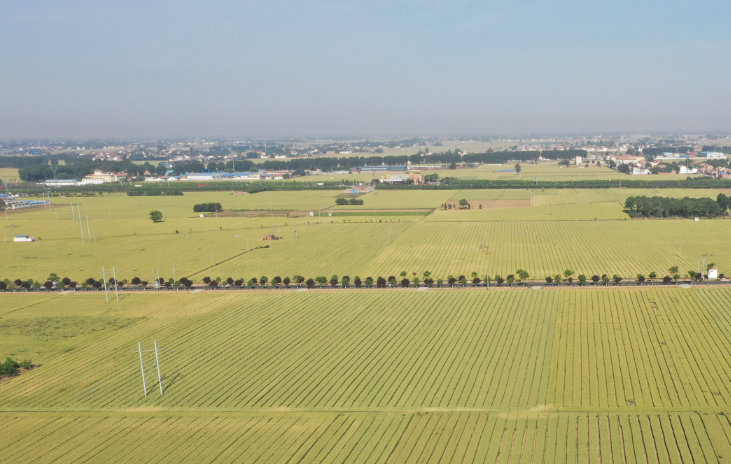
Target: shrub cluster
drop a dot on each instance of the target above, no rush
(207, 207)
(345, 201)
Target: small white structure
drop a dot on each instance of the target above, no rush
(579, 160)
(23, 238)
(713, 274)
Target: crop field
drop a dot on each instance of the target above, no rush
(9, 175)
(589, 238)
(592, 375)
(557, 212)
(492, 194)
(544, 172)
(580, 196)
(402, 199)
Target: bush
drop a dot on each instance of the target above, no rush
(549, 280)
(357, 282)
(405, 282)
(310, 283)
(9, 367)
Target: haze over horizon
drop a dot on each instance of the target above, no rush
(235, 69)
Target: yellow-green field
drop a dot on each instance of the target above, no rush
(9, 175)
(582, 230)
(592, 375)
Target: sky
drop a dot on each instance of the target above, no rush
(163, 69)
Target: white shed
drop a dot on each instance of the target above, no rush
(712, 273)
(23, 238)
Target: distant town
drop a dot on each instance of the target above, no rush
(77, 163)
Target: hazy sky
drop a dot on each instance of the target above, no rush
(278, 68)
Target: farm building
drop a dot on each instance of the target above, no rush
(23, 238)
(713, 273)
(61, 182)
(271, 237)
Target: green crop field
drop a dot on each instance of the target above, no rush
(581, 375)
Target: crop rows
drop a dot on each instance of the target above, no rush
(368, 437)
(626, 248)
(495, 350)
(639, 349)
(562, 212)
(601, 375)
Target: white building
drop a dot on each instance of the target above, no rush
(23, 238)
(61, 182)
(712, 155)
(712, 273)
(101, 177)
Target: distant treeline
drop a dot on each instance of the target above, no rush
(19, 162)
(660, 150)
(726, 150)
(447, 158)
(677, 207)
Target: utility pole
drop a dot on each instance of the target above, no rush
(247, 243)
(163, 212)
(158, 276)
(106, 292)
(142, 367)
(157, 359)
(279, 231)
(88, 230)
(114, 273)
(173, 271)
(680, 250)
(78, 209)
(81, 226)
(73, 216)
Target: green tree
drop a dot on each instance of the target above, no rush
(673, 270)
(517, 168)
(723, 202)
(156, 216)
(568, 273)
